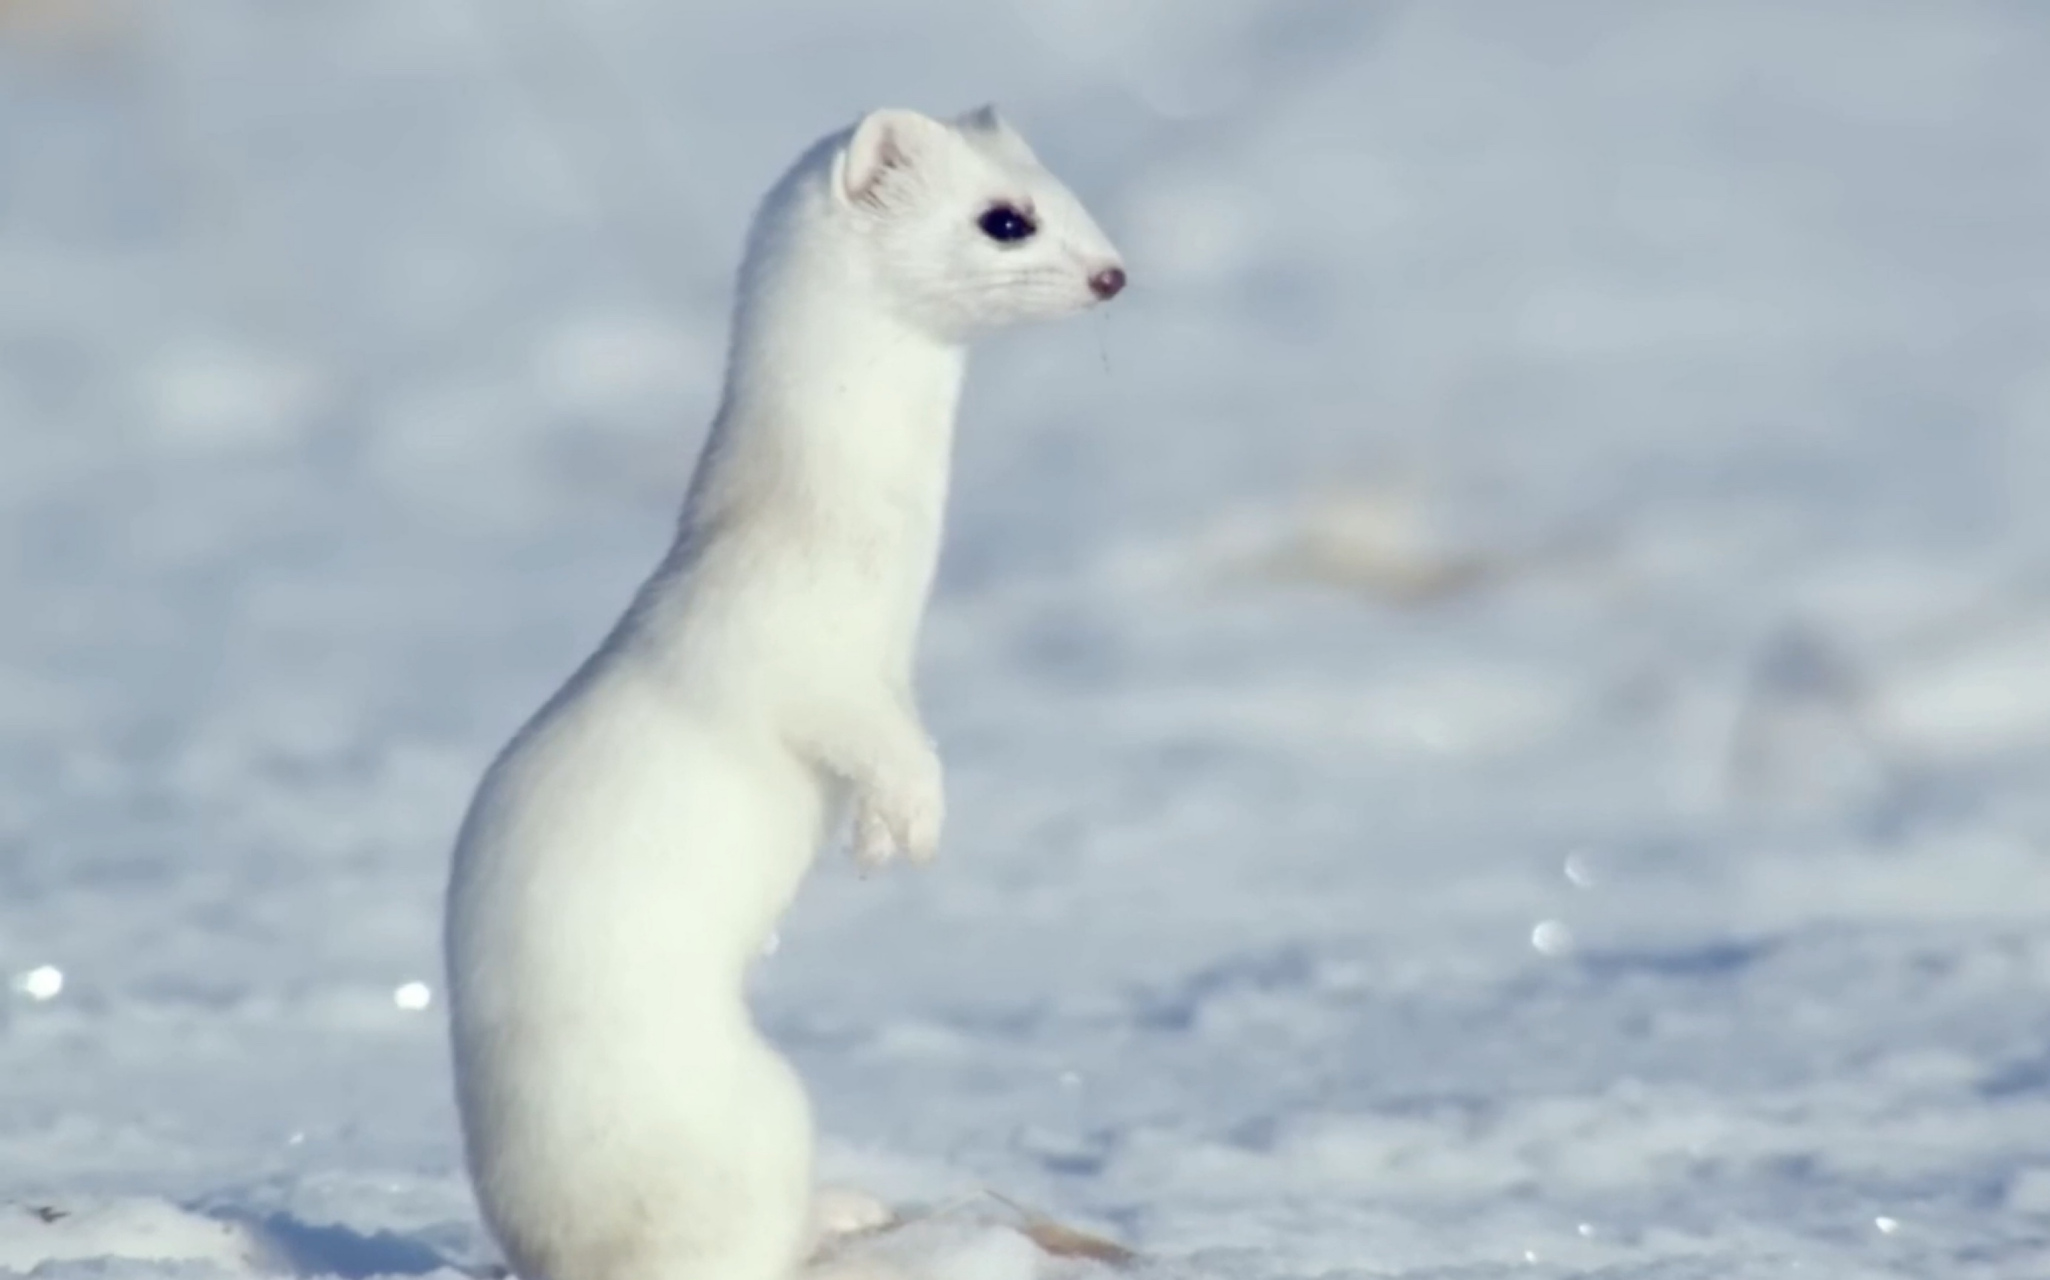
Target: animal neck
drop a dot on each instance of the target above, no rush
(832, 399)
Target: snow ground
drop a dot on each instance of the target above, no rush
(1496, 702)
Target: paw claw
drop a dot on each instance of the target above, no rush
(903, 821)
(874, 846)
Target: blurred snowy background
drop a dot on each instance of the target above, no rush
(1497, 702)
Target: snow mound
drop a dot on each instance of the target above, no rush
(33, 1233)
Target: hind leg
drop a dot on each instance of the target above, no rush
(837, 1212)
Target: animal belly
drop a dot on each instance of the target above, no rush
(683, 1155)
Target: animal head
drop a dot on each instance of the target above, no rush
(963, 227)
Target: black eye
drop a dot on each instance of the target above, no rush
(1006, 225)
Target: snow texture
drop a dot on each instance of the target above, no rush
(1497, 702)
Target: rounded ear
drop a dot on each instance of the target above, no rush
(984, 119)
(888, 141)
(994, 134)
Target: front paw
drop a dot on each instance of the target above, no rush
(901, 816)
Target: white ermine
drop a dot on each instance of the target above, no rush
(629, 853)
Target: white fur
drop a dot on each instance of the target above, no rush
(630, 851)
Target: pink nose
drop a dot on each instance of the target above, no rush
(1108, 282)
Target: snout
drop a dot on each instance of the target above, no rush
(1107, 283)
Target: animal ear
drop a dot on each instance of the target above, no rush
(994, 134)
(887, 142)
(984, 119)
